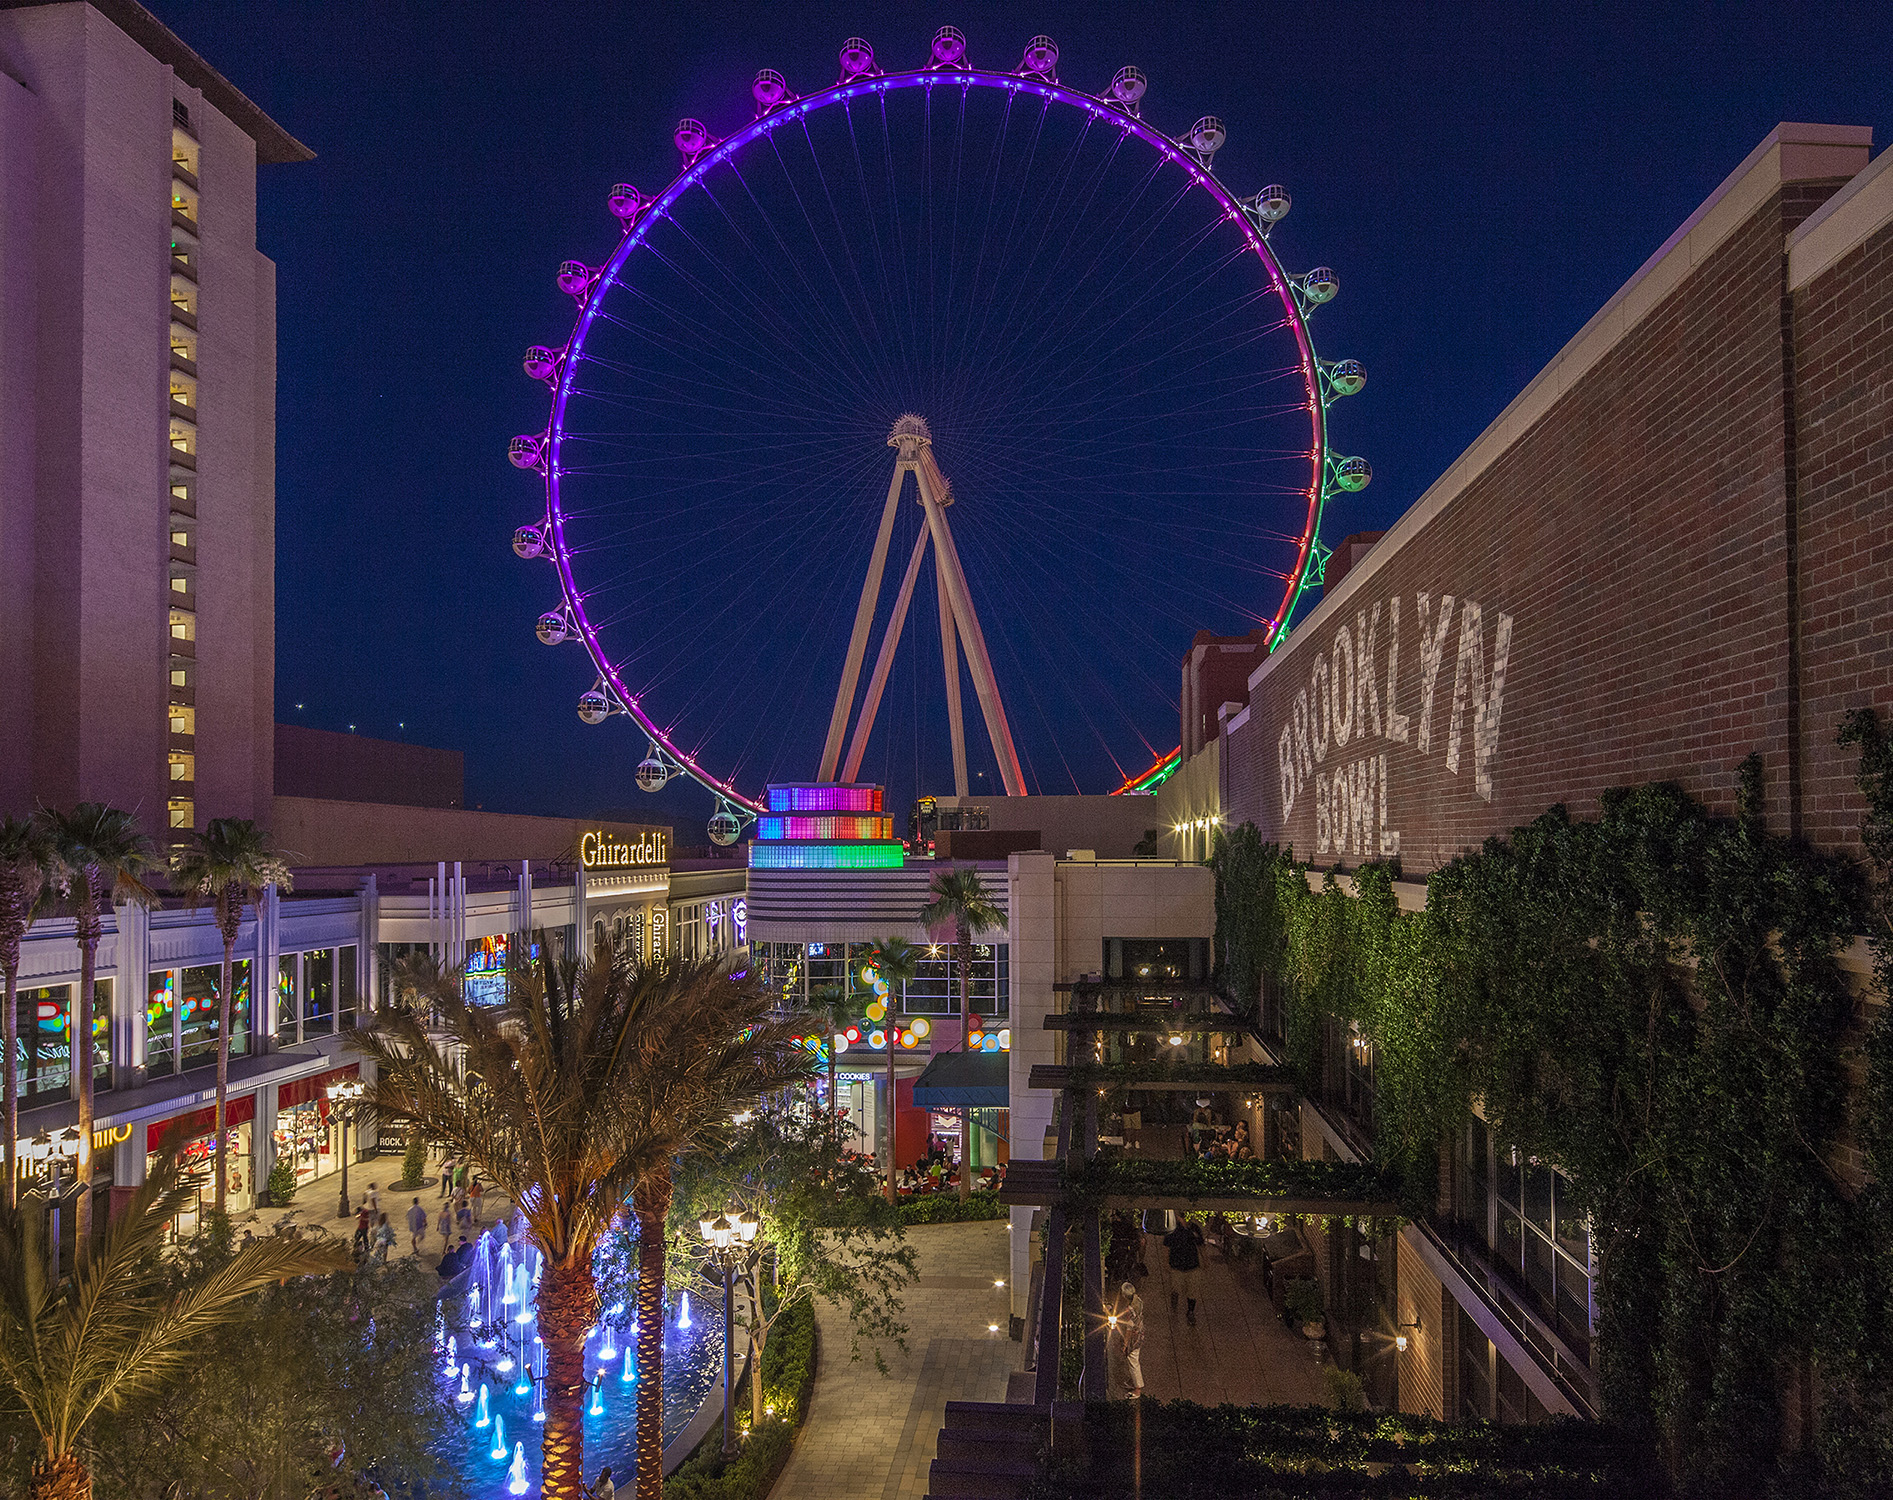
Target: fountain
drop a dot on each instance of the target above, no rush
(498, 1455)
(630, 1375)
(522, 1294)
(465, 1398)
(683, 1317)
(518, 1472)
(482, 1416)
(509, 1294)
(597, 1408)
(453, 1359)
(608, 1351)
(480, 1282)
(539, 1401)
(473, 1307)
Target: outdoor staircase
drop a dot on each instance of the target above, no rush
(988, 1451)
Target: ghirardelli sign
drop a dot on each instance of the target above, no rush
(1368, 709)
(607, 851)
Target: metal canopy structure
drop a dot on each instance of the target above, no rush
(964, 1080)
(913, 442)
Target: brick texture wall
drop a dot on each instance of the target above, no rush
(1843, 425)
(1610, 601)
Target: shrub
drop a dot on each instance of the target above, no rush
(946, 1208)
(788, 1377)
(1304, 1300)
(414, 1163)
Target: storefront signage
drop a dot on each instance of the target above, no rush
(606, 851)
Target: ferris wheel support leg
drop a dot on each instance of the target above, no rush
(883, 664)
(950, 659)
(947, 559)
(863, 622)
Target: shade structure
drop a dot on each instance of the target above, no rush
(964, 1080)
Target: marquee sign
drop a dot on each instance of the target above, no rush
(606, 851)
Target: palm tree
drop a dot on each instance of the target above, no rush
(100, 858)
(227, 864)
(419, 980)
(574, 1098)
(121, 1325)
(832, 1008)
(897, 961)
(25, 881)
(961, 897)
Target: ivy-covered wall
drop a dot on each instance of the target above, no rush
(1652, 999)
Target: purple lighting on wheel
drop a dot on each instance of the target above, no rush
(702, 152)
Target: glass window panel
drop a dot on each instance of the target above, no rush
(1573, 1236)
(345, 988)
(286, 999)
(318, 991)
(199, 1008)
(1509, 1175)
(1472, 1177)
(1475, 1371)
(160, 1007)
(43, 1060)
(1538, 1197)
(1511, 1395)
(1539, 1258)
(101, 1034)
(1574, 1305)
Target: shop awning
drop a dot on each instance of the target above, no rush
(964, 1080)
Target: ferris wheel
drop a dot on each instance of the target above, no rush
(1099, 341)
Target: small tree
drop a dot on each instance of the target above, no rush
(119, 1326)
(824, 1233)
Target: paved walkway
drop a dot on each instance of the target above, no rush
(1239, 1351)
(871, 1436)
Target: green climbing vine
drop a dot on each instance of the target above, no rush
(1654, 1001)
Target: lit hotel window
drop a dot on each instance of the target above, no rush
(183, 716)
(183, 389)
(183, 200)
(183, 812)
(183, 625)
(184, 151)
(183, 765)
(183, 437)
(183, 296)
(184, 342)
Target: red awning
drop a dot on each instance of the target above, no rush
(305, 1090)
(202, 1122)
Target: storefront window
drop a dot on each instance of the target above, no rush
(286, 999)
(199, 1150)
(198, 1012)
(486, 971)
(318, 992)
(304, 1136)
(160, 1019)
(345, 988)
(43, 1060)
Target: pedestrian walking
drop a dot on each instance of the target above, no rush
(1129, 1323)
(476, 1195)
(460, 1178)
(446, 1177)
(374, 1198)
(604, 1489)
(445, 1225)
(463, 1213)
(1185, 1244)
(384, 1238)
(417, 1227)
(364, 1221)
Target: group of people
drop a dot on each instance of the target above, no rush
(1207, 1140)
(374, 1235)
(462, 1203)
(1182, 1241)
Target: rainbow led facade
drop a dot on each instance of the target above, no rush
(844, 826)
(824, 826)
(764, 856)
(823, 797)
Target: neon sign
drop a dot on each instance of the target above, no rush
(605, 851)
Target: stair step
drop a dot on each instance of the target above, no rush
(962, 1479)
(993, 1416)
(973, 1445)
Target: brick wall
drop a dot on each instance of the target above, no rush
(1607, 602)
(1843, 424)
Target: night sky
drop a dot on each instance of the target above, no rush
(1481, 181)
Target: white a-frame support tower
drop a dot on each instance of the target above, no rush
(914, 446)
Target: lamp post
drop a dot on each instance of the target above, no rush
(49, 1155)
(727, 1239)
(343, 1094)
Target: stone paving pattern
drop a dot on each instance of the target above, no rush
(871, 1436)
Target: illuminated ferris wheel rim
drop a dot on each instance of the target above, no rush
(1191, 154)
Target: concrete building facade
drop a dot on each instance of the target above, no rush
(138, 370)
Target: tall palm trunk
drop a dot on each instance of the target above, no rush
(90, 928)
(568, 1303)
(893, 1110)
(963, 954)
(60, 1478)
(11, 1025)
(229, 916)
(651, 1203)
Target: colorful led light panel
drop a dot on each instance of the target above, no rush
(824, 797)
(843, 826)
(764, 856)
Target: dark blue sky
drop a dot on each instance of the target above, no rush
(1481, 179)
